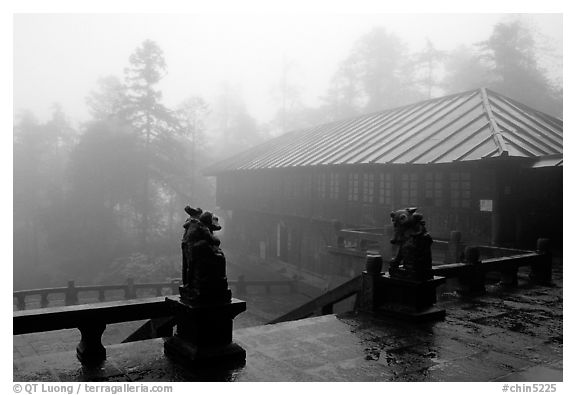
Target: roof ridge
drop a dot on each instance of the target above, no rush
(494, 128)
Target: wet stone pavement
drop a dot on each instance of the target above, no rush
(506, 335)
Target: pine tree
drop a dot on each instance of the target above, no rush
(155, 123)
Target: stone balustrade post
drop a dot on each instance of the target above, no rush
(472, 280)
(541, 271)
(90, 350)
(370, 277)
(130, 290)
(455, 247)
(241, 285)
(44, 299)
(21, 302)
(174, 286)
(71, 294)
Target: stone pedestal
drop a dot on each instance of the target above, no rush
(90, 350)
(408, 299)
(204, 333)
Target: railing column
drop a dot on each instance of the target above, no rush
(21, 302)
(472, 281)
(71, 295)
(241, 285)
(101, 295)
(541, 272)
(90, 350)
(158, 291)
(174, 285)
(130, 291)
(454, 251)
(370, 277)
(44, 300)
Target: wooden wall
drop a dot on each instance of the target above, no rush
(489, 202)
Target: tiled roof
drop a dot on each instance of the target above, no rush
(467, 126)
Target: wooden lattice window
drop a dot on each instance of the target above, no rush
(409, 189)
(334, 186)
(353, 186)
(368, 188)
(433, 188)
(385, 189)
(321, 186)
(460, 189)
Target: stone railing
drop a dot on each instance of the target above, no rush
(470, 272)
(131, 290)
(324, 304)
(363, 241)
(91, 320)
(72, 292)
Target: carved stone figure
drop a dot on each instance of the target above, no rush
(203, 262)
(414, 257)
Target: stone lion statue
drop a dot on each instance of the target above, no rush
(203, 262)
(414, 257)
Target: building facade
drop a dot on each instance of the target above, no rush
(476, 162)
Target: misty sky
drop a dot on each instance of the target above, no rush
(59, 57)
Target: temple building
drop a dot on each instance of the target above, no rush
(477, 162)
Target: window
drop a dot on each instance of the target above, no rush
(409, 189)
(433, 188)
(385, 189)
(307, 186)
(334, 186)
(460, 189)
(321, 186)
(353, 186)
(368, 188)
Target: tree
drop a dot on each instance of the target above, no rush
(234, 127)
(41, 153)
(464, 70)
(288, 95)
(192, 115)
(511, 54)
(376, 75)
(427, 63)
(109, 101)
(96, 220)
(344, 96)
(155, 123)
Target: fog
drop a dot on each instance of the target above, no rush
(116, 115)
(58, 58)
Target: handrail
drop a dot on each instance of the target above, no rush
(452, 248)
(324, 302)
(470, 273)
(66, 317)
(91, 320)
(71, 291)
